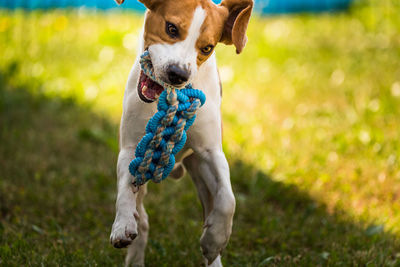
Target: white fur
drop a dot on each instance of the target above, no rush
(183, 53)
(202, 156)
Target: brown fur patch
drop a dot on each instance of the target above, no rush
(154, 29)
(181, 16)
(211, 30)
(226, 22)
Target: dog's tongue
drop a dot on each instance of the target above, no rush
(149, 90)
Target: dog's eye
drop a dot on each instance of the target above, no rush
(207, 49)
(171, 30)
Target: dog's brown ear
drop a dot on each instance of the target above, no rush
(119, 1)
(235, 27)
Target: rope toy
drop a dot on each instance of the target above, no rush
(166, 130)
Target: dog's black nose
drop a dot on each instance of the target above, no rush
(177, 75)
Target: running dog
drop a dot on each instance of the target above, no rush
(180, 36)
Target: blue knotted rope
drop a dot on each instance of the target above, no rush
(166, 130)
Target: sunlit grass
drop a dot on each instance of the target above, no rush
(318, 100)
(312, 101)
(83, 55)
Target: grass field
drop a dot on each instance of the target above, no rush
(313, 149)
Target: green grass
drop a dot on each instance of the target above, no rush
(314, 150)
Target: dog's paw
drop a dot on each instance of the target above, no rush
(124, 231)
(214, 239)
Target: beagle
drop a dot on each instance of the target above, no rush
(180, 37)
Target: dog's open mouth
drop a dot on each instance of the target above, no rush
(148, 90)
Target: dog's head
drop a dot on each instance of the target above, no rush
(181, 35)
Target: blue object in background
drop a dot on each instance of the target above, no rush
(49, 4)
(292, 6)
(261, 6)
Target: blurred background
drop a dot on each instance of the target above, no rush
(314, 150)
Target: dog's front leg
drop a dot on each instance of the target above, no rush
(131, 218)
(136, 250)
(124, 229)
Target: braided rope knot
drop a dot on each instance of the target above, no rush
(166, 130)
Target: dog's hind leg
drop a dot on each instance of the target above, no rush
(137, 249)
(210, 173)
(178, 171)
(202, 191)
